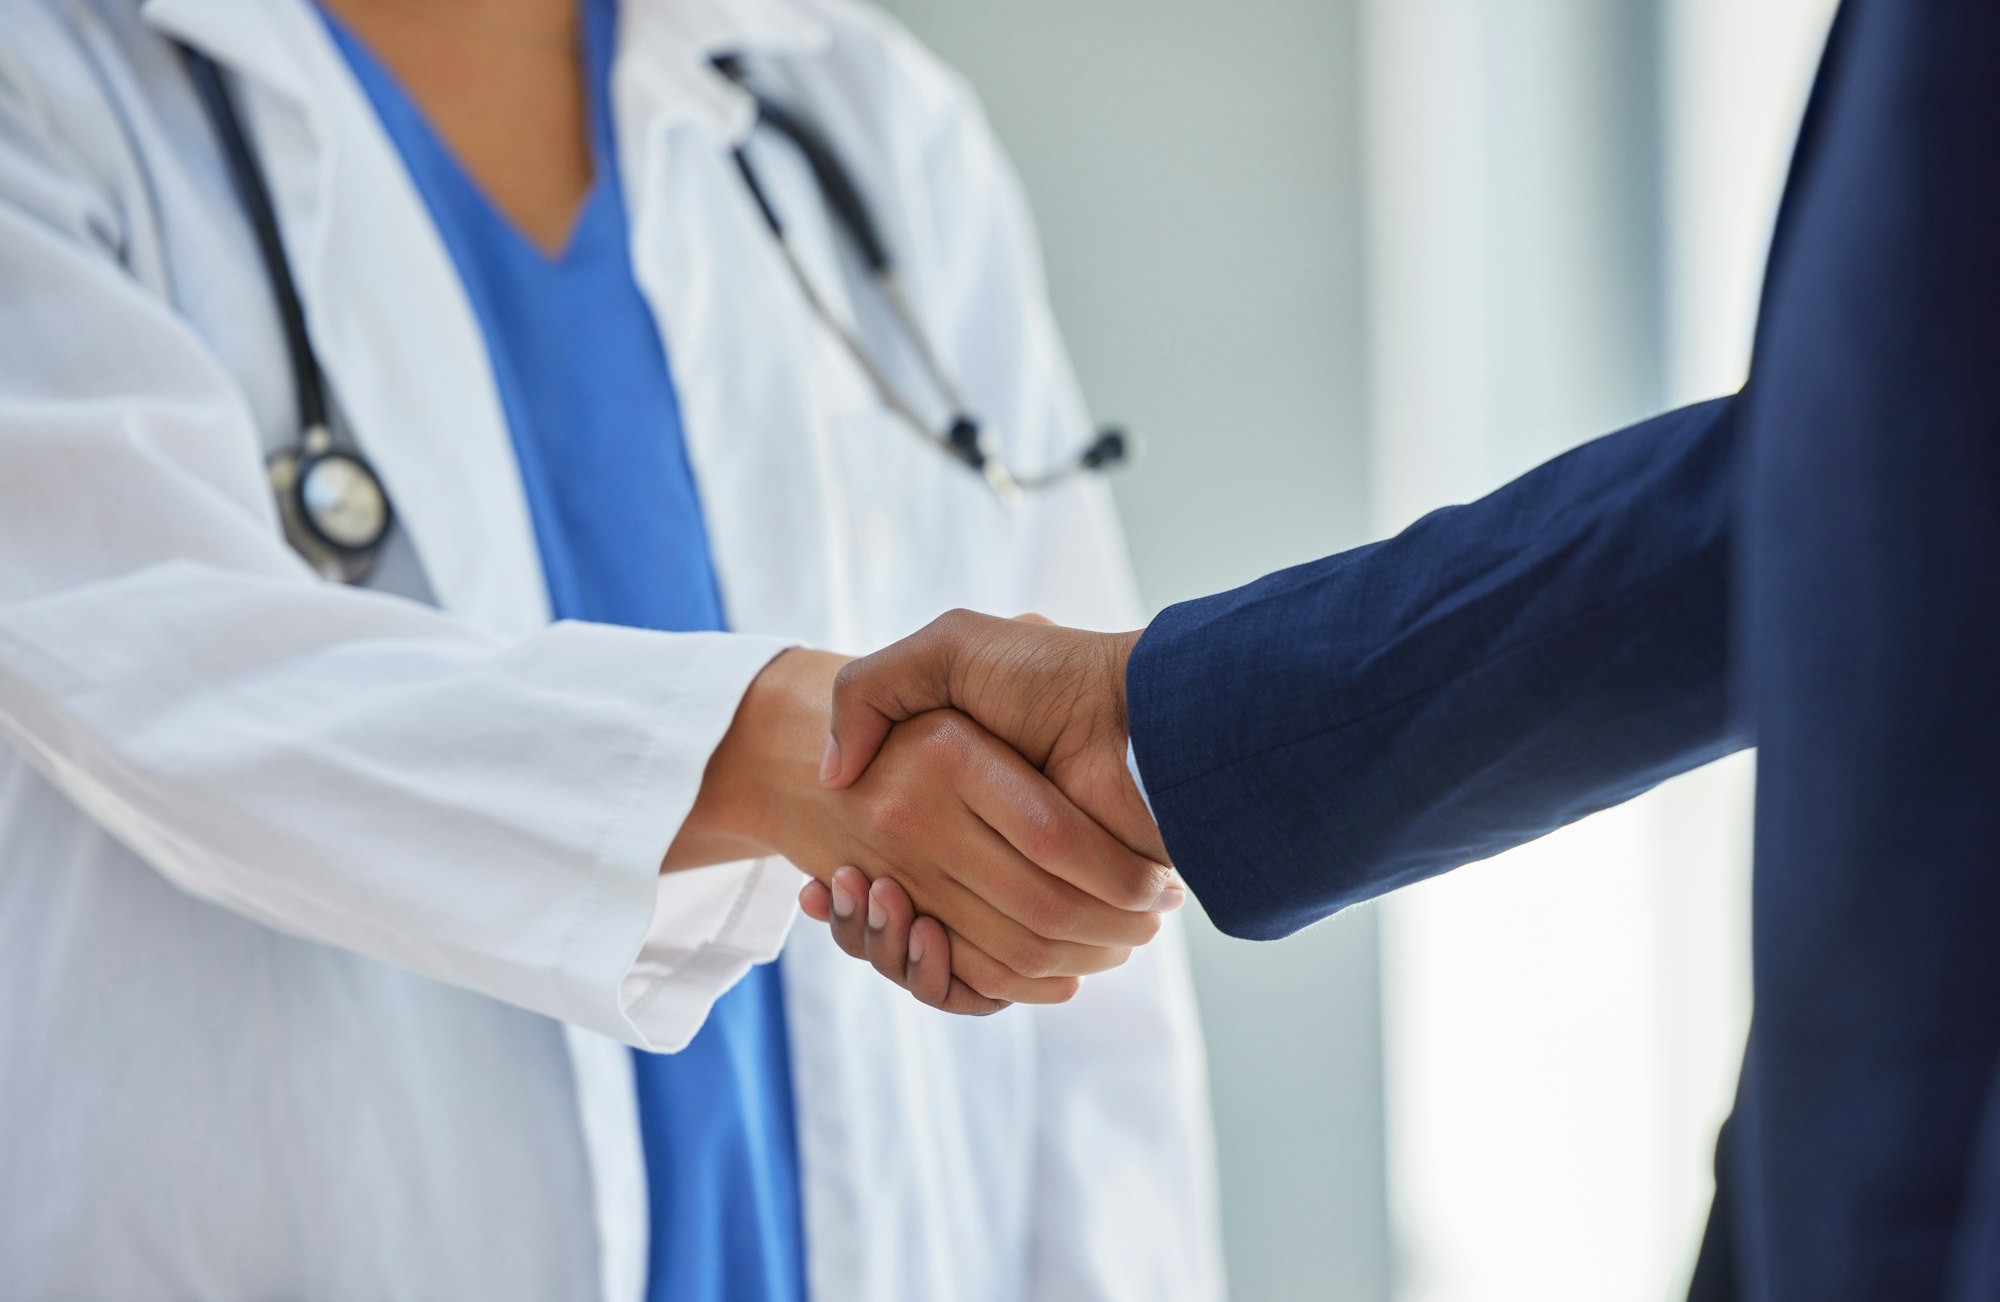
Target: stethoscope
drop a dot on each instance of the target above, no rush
(335, 510)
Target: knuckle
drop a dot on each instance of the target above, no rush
(1046, 834)
(942, 738)
(1048, 914)
(996, 985)
(850, 679)
(1141, 885)
(894, 815)
(1120, 955)
(1063, 990)
(1032, 957)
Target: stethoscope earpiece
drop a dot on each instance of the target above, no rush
(1110, 448)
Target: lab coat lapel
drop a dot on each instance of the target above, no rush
(390, 321)
(757, 392)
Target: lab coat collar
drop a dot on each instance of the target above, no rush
(248, 38)
(676, 82)
(259, 39)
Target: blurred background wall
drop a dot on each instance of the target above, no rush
(1339, 262)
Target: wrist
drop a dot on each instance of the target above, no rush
(750, 789)
(1119, 647)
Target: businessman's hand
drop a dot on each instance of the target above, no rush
(1033, 892)
(1056, 695)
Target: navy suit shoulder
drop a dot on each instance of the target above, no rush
(1497, 670)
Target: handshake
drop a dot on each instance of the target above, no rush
(971, 825)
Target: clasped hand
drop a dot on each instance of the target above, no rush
(1055, 695)
(972, 829)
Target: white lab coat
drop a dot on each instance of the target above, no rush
(325, 914)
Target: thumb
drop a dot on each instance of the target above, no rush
(874, 694)
(857, 730)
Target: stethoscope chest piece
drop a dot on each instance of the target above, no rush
(335, 509)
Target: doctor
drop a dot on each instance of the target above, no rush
(328, 910)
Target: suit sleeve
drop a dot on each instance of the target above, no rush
(1499, 669)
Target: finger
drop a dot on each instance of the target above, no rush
(1113, 895)
(1030, 957)
(878, 691)
(1032, 618)
(912, 950)
(816, 901)
(928, 975)
(988, 977)
(890, 914)
(849, 892)
(1031, 897)
(927, 956)
(873, 694)
(967, 1002)
(967, 859)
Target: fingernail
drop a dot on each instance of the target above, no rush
(878, 917)
(829, 763)
(1172, 896)
(843, 900)
(916, 948)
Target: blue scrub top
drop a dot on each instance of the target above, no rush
(583, 378)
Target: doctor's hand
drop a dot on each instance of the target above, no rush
(1015, 875)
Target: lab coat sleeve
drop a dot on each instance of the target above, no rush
(348, 767)
(1125, 1198)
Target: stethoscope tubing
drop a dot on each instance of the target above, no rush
(308, 380)
(961, 437)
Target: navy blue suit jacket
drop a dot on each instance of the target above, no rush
(1813, 565)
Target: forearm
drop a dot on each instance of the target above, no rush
(1496, 671)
